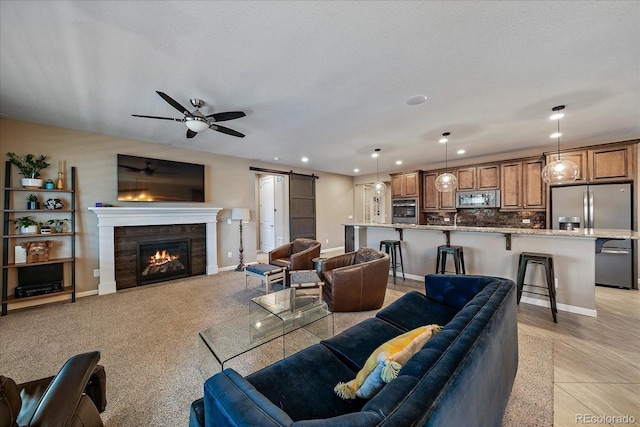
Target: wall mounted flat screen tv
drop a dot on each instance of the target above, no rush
(143, 179)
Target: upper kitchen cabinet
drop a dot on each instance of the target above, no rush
(482, 177)
(405, 184)
(488, 177)
(432, 199)
(521, 185)
(610, 163)
(466, 178)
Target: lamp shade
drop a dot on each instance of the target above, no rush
(561, 171)
(446, 182)
(240, 214)
(197, 124)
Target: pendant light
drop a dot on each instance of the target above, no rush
(379, 188)
(446, 182)
(559, 171)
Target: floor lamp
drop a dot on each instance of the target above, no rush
(242, 215)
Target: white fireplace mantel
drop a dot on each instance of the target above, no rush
(109, 218)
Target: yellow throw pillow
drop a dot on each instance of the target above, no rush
(385, 362)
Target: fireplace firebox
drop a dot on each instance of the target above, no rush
(163, 260)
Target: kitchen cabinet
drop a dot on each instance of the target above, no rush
(521, 185)
(488, 177)
(406, 184)
(64, 242)
(610, 163)
(432, 199)
(482, 177)
(466, 178)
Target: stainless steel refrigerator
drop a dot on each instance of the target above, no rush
(599, 206)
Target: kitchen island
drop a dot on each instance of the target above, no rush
(494, 251)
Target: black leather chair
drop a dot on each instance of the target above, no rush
(74, 397)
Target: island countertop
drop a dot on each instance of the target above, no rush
(495, 251)
(594, 233)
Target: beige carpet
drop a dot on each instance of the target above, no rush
(148, 340)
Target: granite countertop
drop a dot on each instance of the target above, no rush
(593, 233)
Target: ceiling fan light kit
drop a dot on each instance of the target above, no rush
(446, 182)
(195, 120)
(560, 171)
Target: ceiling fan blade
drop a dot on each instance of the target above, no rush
(156, 117)
(191, 134)
(174, 103)
(226, 130)
(229, 115)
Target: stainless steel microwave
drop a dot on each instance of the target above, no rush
(478, 199)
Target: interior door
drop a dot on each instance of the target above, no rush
(267, 214)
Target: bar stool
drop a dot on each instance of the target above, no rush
(390, 247)
(458, 259)
(545, 260)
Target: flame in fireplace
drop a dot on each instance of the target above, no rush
(162, 257)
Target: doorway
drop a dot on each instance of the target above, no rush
(273, 211)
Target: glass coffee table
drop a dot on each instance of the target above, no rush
(298, 320)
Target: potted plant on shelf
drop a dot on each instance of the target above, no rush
(32, 202)
(29, 167)
(58, 224)
(26, 225)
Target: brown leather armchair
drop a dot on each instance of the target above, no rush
(356, 281)
(74, 397)
(296, 255)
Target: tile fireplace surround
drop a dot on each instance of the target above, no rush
(109, 218)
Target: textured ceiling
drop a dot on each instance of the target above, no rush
(329, 80)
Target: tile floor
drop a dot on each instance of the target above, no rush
(596, 360)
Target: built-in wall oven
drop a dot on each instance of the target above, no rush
(405, 211)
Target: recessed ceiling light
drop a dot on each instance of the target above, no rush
(461, 151)
(356, 170)
(398, 162)
(305, 159)
(276, 158)
(416, 100)
(374, 155)
(555, 135)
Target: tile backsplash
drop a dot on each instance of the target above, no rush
(489, 218)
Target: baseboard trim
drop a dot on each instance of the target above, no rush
(561, 307)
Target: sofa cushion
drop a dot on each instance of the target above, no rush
(354, 345)
(385, 362)
(314, 370)
(414, 309)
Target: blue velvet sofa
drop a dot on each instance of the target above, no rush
(462, 377)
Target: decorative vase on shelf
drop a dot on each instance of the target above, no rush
(31, 229)
(50, 185)
(31, 183)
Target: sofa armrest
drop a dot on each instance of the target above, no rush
(283, 251)
(303, 260)
(338, 261)
(230, 400)
(63, 395)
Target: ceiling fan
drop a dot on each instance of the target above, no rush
(195, 120)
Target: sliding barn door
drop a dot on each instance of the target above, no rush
(302, 206)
